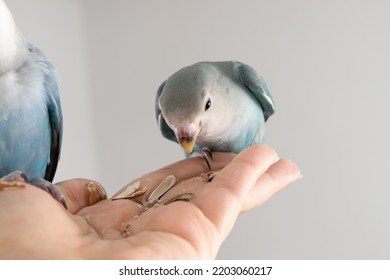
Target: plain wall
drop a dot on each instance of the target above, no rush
(327, 64)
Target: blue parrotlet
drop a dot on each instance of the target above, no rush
(214, 107)
(30, 112)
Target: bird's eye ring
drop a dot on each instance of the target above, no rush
(208, 104)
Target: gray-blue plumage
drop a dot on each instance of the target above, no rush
(220, 106)
(30, 109)
(30, 119)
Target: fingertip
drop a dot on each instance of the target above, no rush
(80, 193)
(279, 176)
(286, 169)
(264, 150)
(242, 173)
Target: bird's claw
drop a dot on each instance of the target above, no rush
(211, 176)
(18, 179)
(16, 176)
(205, 154)
(51, 189)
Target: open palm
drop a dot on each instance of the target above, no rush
(35, 226)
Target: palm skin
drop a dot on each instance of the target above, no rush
(180, 230)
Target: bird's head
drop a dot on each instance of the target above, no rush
(186, 103)
(188, 120)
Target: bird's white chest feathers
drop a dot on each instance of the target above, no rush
(21, 88)
(13, 49)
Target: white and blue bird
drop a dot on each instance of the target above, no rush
(30, 111)
(214, 107)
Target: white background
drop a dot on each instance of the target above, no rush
(327, 64)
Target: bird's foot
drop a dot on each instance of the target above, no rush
(205, 154)
(211, 176)
(17, 176)
(16, 179)
(51, 189)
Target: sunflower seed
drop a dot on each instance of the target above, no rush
(179, 197)
(160, 190)
(131, 191)
(11, 185)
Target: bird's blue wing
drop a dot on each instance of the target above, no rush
(54, 111)
(166, 131)
(55, 118)
(257, 86)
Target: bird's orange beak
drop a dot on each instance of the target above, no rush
(187, 136)
(188, 144)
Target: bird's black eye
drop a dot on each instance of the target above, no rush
(208, 104)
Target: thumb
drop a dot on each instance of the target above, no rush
(80, 193)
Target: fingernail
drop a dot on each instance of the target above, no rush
(96, 192)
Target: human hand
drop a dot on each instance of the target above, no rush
(35, 226)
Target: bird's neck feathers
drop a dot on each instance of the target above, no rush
(12, 45)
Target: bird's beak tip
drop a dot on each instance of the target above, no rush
(188, 145)
(187, 135)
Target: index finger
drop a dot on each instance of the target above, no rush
(182, 170)
(230, 187)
